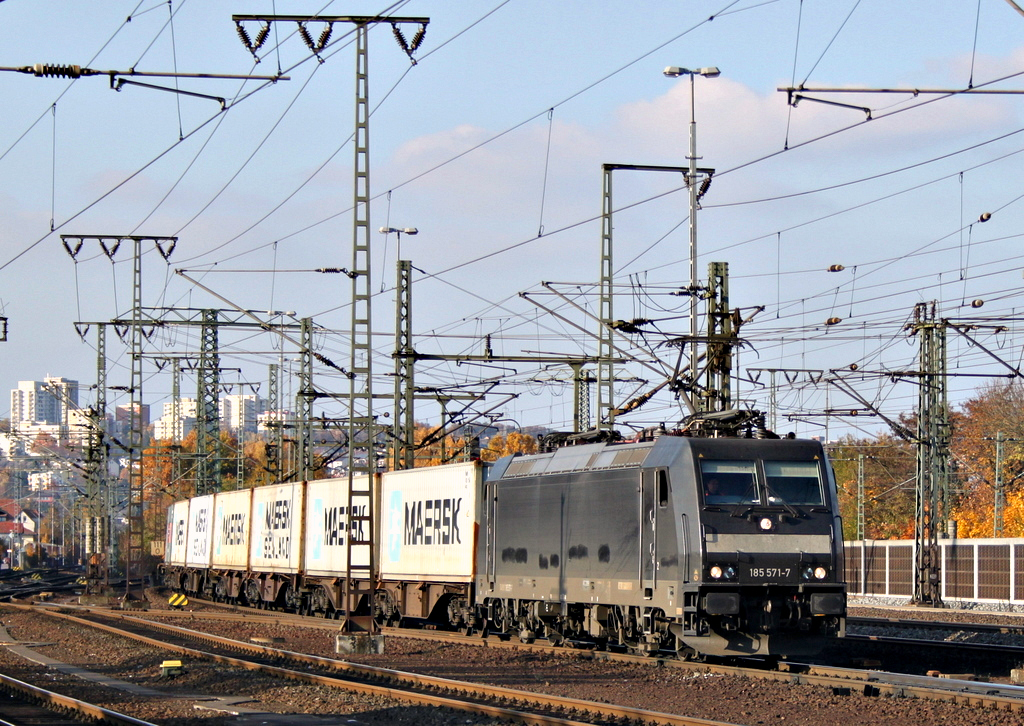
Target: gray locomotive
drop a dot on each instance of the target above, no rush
(698, 546)
(711, 546)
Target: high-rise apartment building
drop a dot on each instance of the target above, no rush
(43, 402)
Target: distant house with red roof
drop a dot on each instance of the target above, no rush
(15, 520)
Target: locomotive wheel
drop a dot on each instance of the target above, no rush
(686, 653)
(502, 616)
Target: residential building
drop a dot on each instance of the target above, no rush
(43, 402)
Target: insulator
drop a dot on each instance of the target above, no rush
(833, 321)
(244, 36)
(854, 366)
(402, 43)
(417, 40)
(44, 69)
(836, 268)
(325, 36)
(261, 37)
(306, 37)
(985, 216)
(977, 303)
(704, 185)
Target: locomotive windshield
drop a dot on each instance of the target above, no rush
(730, 482)
(795, 482)
(781, 483)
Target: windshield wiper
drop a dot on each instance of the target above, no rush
(779, 501)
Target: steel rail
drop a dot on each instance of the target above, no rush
(60, 701)
(872, 682)
(409, 680)
(937, 625)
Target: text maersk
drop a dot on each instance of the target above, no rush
(432, 522)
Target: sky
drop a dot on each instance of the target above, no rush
(492, 144)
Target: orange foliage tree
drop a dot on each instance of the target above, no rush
(889, 465)
(514, 442)
(996, 412)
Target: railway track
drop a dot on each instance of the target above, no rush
(866, 681)
(977, 642)
(492, 701)
(23, 704)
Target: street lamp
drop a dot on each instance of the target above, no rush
(710, 72)
(399, 231)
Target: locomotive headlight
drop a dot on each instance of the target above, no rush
(766, 523)
(820, 572)
(808, 573)
(716, 572)
(730, 572)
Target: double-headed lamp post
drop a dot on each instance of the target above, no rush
(399, 231)
(675, 72)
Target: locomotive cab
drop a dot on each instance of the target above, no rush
(771, 580)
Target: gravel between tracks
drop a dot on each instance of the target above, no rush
(720, 698)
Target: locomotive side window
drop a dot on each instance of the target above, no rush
(729, 482)
(795, 482)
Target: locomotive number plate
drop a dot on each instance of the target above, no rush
(770, 573)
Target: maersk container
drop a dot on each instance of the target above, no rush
(177, 534)
(429, 520)
(276, 531)
(328, 527)
(200, 531)
(232, 512)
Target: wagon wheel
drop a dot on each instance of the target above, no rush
(252, 592)
(385, 610)
(319, 603)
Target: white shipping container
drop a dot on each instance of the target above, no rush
(200, 531)
(231, 520)
(429, 522)
(276, 531)
(327, 526)
(177, 533)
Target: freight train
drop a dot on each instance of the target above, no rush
(701, 546)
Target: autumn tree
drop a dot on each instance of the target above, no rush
(515, 442)
(990, 426)
(889, 466)
(433, 448)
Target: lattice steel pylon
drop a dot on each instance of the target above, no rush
(721, 340)
(605, 417)
(933, 438)
(136, 496)
(605, 406)
(581, 380)
(274, 448)
(361, 429)
(208, 479)
(97, 497)
(304, 402)
(405, 362)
